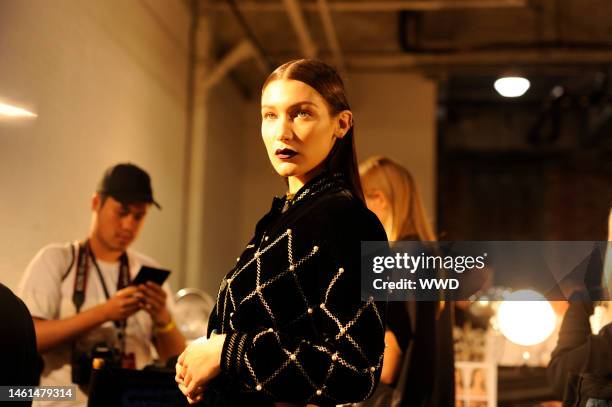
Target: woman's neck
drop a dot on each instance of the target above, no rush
(294, 184)
(298, 181)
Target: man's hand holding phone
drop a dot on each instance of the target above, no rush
(154, 302)
(149, 281)
(123, 304)
(145, 293)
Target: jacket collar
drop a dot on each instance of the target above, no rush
(280, 213)
(315, 186)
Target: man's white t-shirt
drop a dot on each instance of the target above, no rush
(47, 288)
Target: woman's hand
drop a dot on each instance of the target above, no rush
(197, 365)
(392, 361)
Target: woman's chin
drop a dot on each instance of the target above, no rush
(285, 169)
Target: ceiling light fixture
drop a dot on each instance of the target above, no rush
(511, 86)
(15, 112)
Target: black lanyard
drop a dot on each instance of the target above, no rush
(80, 281)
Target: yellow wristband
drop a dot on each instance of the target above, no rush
(165, 328)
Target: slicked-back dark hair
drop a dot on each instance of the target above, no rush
(326, 80)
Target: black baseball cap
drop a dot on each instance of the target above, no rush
(127, 183)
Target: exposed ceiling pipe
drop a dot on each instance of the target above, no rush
(263, 61)
(376, 6)
(533, 56)
(307, 45)
(330, 34)
(410, 28)
(241, 52)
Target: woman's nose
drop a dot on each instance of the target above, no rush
(284, 131)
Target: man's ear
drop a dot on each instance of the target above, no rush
(95, 202)
(344, 121)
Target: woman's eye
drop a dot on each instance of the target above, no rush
(269, 115)
(303, 114)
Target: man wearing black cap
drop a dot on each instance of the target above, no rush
(79, 294)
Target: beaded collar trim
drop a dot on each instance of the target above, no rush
(323, 183)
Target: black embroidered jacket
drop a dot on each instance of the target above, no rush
(296, 327)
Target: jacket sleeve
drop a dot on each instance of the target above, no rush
(342, 361)
(578, 350)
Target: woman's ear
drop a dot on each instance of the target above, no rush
(344, 122)
(377, 200)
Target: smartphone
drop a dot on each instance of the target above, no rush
(146, 273)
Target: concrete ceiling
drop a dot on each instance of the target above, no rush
(440, 38)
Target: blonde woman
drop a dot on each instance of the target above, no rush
(392, 194)
(418, 360)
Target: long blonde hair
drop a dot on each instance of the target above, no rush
(408, 215)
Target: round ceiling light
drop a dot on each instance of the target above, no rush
(511, 86)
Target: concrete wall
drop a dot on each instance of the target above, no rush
(394, 116)
(224, 176)
(108, 80)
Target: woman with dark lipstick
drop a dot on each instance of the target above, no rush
(289, 327)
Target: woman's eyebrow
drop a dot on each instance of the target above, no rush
(306, 102)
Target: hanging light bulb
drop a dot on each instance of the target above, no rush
(511, 86)
(526, 318)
